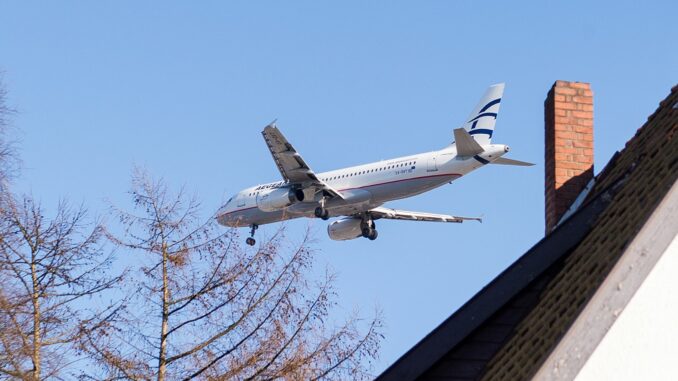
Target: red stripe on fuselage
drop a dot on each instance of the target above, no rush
(239, 210)
(367, 186)
(399, 180)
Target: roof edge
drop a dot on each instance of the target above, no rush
(501, 289)
(601, 312)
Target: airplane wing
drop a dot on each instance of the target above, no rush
(291, 165)
(395, 214)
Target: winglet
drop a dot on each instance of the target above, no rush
(479, 219)
(466, 145)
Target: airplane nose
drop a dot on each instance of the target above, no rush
(222, 214)
(223, 219)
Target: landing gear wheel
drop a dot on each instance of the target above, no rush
(370, 234)
(250, 240)
(321, 212)
(368, 229)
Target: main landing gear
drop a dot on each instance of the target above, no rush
(250, 240)
(321, 212)
(369, 229)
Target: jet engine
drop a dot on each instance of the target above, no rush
(277, 199)
(344, 229)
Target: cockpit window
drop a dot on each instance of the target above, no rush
(229, 200)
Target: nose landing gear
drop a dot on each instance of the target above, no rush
(250, 240)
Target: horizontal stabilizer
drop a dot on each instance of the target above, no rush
(466, 145)
(505, 161)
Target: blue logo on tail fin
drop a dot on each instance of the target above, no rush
(482, 114)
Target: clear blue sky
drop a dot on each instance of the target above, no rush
(185, 89)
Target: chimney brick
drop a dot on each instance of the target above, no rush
(568, 118)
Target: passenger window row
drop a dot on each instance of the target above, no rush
(369, 171)
(358, 173)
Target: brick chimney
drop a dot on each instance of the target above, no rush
(568, 118)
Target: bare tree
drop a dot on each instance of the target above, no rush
(50, 270)
(7, 156)
(207, 308)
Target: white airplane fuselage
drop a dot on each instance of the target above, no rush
(356, 194)
(364, 186)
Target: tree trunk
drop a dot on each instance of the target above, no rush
(162, 358)
(35, 358)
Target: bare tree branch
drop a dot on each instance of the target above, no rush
(205, 307)
(46, 266)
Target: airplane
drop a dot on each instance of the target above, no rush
(356, 194)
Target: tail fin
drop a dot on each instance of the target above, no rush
(481, 122)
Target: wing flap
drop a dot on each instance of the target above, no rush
(333, 192)
(291, 165)
(466, 145)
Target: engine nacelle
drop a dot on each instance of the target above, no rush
(277, 199)
(344, 229)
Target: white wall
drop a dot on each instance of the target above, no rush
(642, 344)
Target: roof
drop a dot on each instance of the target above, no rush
(511, 326)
